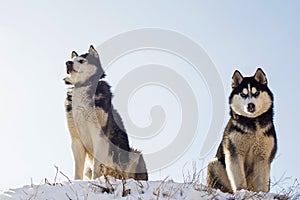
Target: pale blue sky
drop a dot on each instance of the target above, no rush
(37, 38)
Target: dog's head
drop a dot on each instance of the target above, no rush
(85, 68)
(250, 96)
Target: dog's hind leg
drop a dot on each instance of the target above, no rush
(217, 176)
(79, 153)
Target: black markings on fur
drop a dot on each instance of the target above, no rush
(119, 147)
(253, 83)
(250, 123)
(67, 82)
(216, 182)
(236, 128)
(141, 169)
(231, 148)
(249, 170)
(271, 133)
(68, 103)
(265, 119)
(246, 122)
(220, 154)
(114, 129)
(103, 96)
(213, 179)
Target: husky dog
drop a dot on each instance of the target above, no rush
(97, 132)
(249, 142)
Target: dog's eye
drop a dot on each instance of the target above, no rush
(243, 95)
(82, 61)
(256, 93)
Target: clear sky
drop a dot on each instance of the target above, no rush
(37, 37)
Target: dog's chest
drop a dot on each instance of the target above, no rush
(88, 119)
(84, 109)
(253, 144)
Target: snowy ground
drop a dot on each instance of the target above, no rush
(130, 189)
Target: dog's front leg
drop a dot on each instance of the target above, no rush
(101, 147)
(235, 171)
(261, 176)
(79, 154)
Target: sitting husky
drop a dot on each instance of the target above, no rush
(97, 131)
(249, 142)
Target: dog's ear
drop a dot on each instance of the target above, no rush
(93, 51)
(73, 54)
(260, 77)
(237, 78)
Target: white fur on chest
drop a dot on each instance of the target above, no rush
(88, 121)
(83, 109)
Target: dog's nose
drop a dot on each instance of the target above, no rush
(69, 66)
(69, 63)
(251, 107)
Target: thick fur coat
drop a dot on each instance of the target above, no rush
(99, 139)
(249, 143)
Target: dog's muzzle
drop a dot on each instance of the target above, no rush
(251, 107)
(69, 67)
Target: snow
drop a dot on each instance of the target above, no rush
(130, 189)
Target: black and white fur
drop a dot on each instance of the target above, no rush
(96, 129)
(249, 142)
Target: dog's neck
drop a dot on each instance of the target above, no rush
(82, 96)
(83, 107)
(88, 83)
(263, 120)
(93, 80)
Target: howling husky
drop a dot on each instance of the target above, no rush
(97, 131)
(249, 142)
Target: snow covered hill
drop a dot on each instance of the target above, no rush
(104, 189)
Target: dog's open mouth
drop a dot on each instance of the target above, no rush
(70, 67)
(70, 71)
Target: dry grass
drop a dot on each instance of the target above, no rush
(285, 188)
